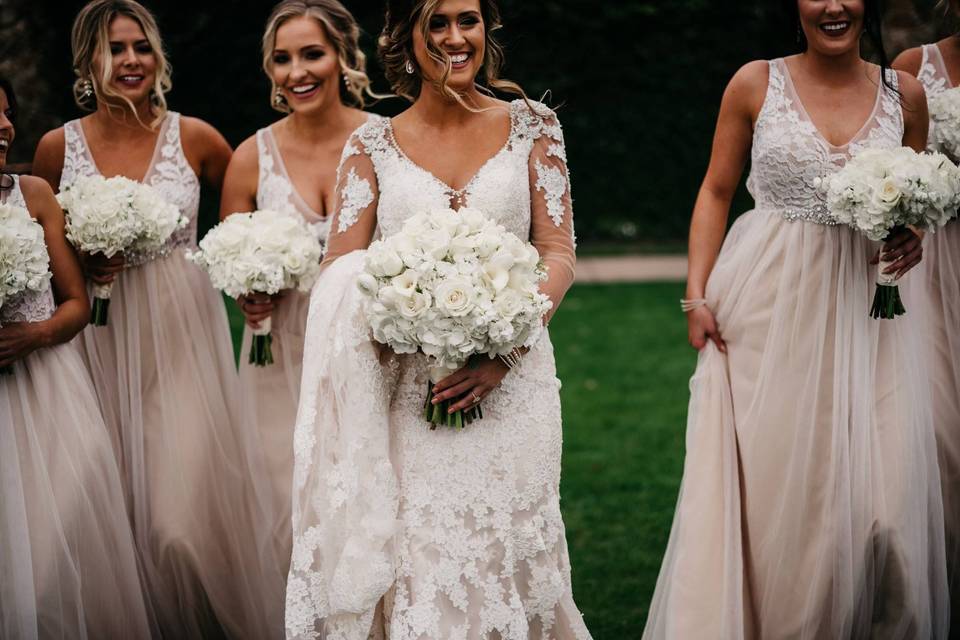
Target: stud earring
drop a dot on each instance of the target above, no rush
(409, 67)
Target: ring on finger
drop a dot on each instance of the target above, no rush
(476, 398)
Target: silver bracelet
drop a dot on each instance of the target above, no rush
(512, 359)
(688, 305)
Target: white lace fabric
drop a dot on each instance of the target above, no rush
(404, 531)
(30, 306)
(789, 154)
(169, 172)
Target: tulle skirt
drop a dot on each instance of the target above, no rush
(67, 557)
(196, 489)
(272, 394)
(810, 505)
(941, 265)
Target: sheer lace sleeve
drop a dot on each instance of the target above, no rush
(551, 215)
(355, 208)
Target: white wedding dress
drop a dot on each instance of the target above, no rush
(400, 531)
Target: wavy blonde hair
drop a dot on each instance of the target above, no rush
(90, 39)
(395, 48)
(344, 34)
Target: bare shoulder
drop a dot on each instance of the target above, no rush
(747, 88)
(245, 159)
(911, 88)
(48, 157)
(199, 133)
(39, 197)
(909, 61)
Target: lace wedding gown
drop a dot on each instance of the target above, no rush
(273, 392)
(66, 551)
(404, 532)
(810, 504)
(941, 275)
(165, 376)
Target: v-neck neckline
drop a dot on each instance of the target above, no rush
(458, 194)
(153, 157)
(293, 186)
(806, 114)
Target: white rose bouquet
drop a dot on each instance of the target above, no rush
(24, 263)
(945, 122)
(260, 252)
(880, 190)
(116, 215)
(453, 284)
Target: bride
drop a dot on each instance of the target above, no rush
(400, 531)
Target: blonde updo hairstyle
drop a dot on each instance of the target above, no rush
(90, 39)
(344, 34)
(395, 47)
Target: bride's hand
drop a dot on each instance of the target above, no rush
(20, 339)
(257, 307)
(702, 326)
(905, 248)
(471, 383)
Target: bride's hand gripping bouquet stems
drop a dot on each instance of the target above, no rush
(261, 252)
(453, 285)
(112, 216)
(879, 192)
(24, 263)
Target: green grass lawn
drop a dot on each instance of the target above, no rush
(624, 361)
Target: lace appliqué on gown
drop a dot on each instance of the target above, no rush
(357, 196)
(789, 155)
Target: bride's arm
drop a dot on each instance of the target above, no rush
(551, 211)
(355, 206)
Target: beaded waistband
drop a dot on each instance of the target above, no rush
(181, 238)
(815, 215)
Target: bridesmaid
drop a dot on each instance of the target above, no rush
(311, 54)
(66, 549)
(810, 506)
(163, 367)
(937, 65)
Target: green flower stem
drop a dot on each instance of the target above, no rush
(439, 414)
(261, 352)
(98, 312)
(887, 304)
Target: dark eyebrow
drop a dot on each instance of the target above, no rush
(135, 42)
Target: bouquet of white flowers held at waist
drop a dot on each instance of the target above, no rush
(24, 263)
(260, 252)
(116, 215)
(945, 122)
(881, 190)
(453, 284)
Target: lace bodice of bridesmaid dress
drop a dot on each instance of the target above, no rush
(789, 154)
(31, 306)
(935, 80)
(169, 172)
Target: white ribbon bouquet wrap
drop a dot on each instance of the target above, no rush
(260, 252)
(882, 190)
(453, 285)
(116, 215)
(24, 262)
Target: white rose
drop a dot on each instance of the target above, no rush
(385, 262)
(414, 305)
(406, 283)
(455, 296)
(508, 303)
(368, 284)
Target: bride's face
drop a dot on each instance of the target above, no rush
(457, 29)
(832, 27)
(6, 127)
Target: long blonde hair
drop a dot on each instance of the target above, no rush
(90, 38)
(343, 32)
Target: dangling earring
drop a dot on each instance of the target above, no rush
(154, 98)
(278, 99)
(347, 82)
(409, 67)
(86, 89)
